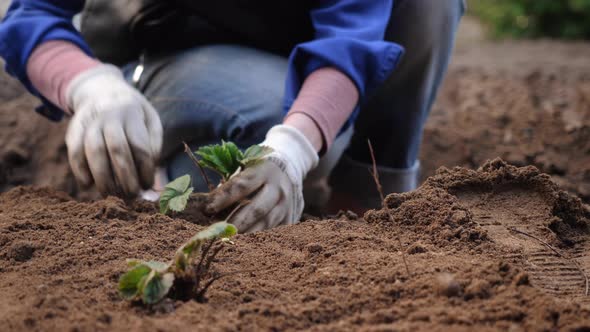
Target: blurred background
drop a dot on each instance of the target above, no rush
(518, 88)
(568, 19)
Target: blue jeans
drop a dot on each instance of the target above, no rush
(212, 93)
(231, 92)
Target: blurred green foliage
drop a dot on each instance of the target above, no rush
(568, 19)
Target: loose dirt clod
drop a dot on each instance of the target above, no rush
(314, 248)
(416, 248)
(478, 288)
(21, 251)
(445, 284)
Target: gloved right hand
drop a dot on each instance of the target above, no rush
(273, 187)
(115, 136)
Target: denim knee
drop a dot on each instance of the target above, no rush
(215, 92)
(438, 19)
(393, 118)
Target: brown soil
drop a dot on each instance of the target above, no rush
(60, 261)
(525, 101)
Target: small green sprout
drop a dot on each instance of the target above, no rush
(226, 158)
(176, 194)
(151, 281)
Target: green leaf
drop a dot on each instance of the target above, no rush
(193, 246)
(180, 184)
(190, 247)
(231, 156)
(176, 194)
(255, 154)
(211, 158)
(154, 265)
(178, 203)
(159, 267)
(156, 286)
(223, 158)
(218, 230)
(229, 230)
(129, 283)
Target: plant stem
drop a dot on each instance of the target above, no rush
(191, 155)
(211, 257)
(375, 175)
(197, 270)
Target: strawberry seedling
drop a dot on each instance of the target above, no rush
(151, 281)
(226, 159)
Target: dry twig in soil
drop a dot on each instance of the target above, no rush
(191, 155)
(556, 252)
(375, 175)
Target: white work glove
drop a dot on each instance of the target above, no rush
(115, 135)
(274, 187)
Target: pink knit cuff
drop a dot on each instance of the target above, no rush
(328, 97)
(53, 65)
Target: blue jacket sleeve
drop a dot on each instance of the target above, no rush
(349, 35)
(29, 23)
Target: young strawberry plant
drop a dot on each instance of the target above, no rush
(226, 159)
(152, 281)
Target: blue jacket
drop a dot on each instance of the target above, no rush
(349, 35)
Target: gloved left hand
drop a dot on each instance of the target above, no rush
(273, 187)
(115, 136)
